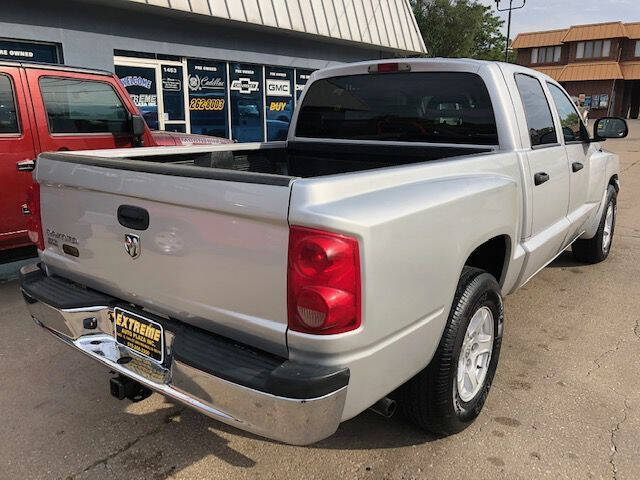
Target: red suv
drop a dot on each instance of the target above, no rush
(45, 108)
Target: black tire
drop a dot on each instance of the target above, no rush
(591, 250)
(431, 399)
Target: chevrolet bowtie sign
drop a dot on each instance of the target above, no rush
(244, 85)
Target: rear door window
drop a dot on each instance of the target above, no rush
(434, 107)
(536, 110)
(76, 106)
(8, 112)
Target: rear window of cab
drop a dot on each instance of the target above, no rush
(434, 107)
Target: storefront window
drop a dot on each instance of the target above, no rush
(172, 92)
(30, 51)
(243, 101)
(279, 101)
(176, 127)
(140, 82)
(247, 115)
(208, 97)
(302, 77)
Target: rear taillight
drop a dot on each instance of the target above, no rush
(34, 223)
(323, 282)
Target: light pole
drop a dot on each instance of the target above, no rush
(511, 7)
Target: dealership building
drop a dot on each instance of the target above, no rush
(230, 68)
(598, 64)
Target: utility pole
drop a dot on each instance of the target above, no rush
(511, 7)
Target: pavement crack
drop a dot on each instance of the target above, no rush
(631, 166)
(636, 328)
(614, 445)
(596, 361)
(104, 460)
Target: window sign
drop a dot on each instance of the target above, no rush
(302, 77)
(208, 97)
(172, 92)
(30, 51)
(278, 83)
(140, 82)
(247, 115)
(604, 100)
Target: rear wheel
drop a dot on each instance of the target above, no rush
(596, 249)
(449, 393)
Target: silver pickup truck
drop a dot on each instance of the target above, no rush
(283, 288)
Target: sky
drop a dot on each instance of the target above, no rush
(552, 14)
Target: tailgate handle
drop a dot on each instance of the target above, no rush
(133, 217)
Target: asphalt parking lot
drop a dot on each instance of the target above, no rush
(565, 402)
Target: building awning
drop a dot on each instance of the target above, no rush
(387, 24)
(539, 39)
(630, 70)
(595, 31)
(577, 33)
(577, 72)
(554, 72)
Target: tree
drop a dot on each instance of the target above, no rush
(459, 28)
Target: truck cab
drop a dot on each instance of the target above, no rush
(56, 108)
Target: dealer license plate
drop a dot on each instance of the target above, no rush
(140, 334)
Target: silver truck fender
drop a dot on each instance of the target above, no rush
(611, 170)
(416, 239)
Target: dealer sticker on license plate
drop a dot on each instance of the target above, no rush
(140, 334)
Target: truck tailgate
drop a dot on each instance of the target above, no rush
(214, 254)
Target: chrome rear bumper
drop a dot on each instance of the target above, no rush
(298, 421)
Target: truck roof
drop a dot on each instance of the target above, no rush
(50, 66)
(430, 64)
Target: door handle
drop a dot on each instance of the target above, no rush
(576, 166)
(133, 217)
(26, 165)
(540, 177)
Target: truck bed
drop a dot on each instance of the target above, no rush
(215, 250)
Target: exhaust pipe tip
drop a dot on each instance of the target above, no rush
(385, 407)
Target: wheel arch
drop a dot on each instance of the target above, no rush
(492, 256)
(615, 182)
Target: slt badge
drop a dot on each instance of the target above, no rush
(132, 244)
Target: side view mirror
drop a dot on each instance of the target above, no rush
(137, 125)
(610, 127)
